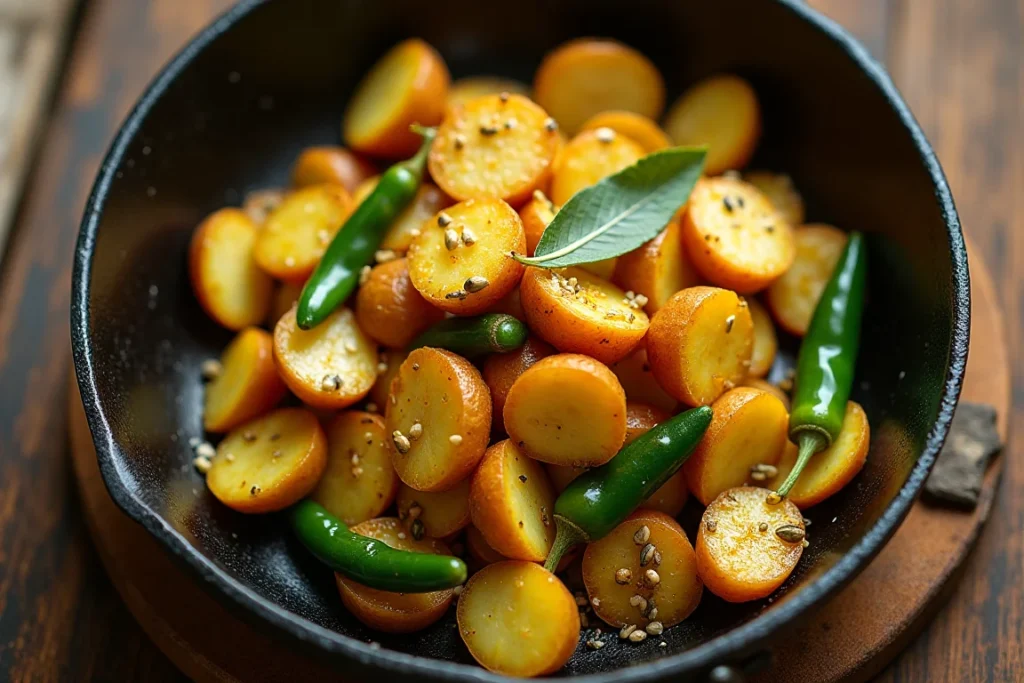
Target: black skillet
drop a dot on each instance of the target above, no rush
(232, 110)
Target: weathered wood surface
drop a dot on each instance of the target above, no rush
(960, 64)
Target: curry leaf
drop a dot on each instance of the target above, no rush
(620, 212)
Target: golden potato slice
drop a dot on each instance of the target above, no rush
(576, 311)
(636, 127)
(494, 147)
(749, 428)
(794, 296)
(740, 553)
(471, 87)
(408, 225)
(637, 380)
(381, 390)
(501, 370)
(781, 192)
(657, 269)
(408, 85)
(477, 270)
(562, 475)
(666, 583)
(536, 215)
(722, 113)
(259, 204)
(589, 157)
(773, 389)
(833, 468)
(389, 309)
(766, 343)
(446, 396)
(567, 409)
(395, 612)
(328, 164)
(734, 236)
(479, 549)
(359, 483)
(700, 343)
(510, 304)
(587, 76)
(512, 503)
(670, 496)
(285, 296)
(269, 463)
(296, 234)
(518, 619)
(331, 366)
(439, 514)
(247, 385)
(225, 278)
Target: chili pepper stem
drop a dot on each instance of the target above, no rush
(809, 441)
(567, 535)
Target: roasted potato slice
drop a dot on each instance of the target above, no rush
(657, 269)
(766, 342)
(794, 296)
(589, 157)
(330, 164)
(247, 385)
(409, 223)
(501, 370)
(389, 309)
(637, 380)
(440, 514)
(471, 87)
(636, 127)
(781, 192)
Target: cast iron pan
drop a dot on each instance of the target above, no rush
(233, 109)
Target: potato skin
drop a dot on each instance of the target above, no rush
(228, 237)
(248, 385)
(587, 159)
(694, 352)
(423, 102)
(736, 560)
(636, 127)
(637, 380)
(470, 87)
(762, 385)
(793, 297)
(567, 409)
(779, 189)
(501, 370)
(766, 342)
(390, 310)
(536, 214)
(330, 164)
(749, 427)
(579, 323)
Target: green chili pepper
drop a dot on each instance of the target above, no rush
(824, 370)
(599, 499)
(369, 561)
(471, 337)
(353, 247)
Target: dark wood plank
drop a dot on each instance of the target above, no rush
(60, 619)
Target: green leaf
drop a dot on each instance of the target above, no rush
(620, 212)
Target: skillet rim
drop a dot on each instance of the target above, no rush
(732, 647)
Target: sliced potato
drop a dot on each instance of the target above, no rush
(536, 214)
(794, 296)
(762, 385)
(613, 574)
(381, 391)
(479, 549)
(441, 514)
(296, 234)
(468, 278)
(494, 147)
(567, 409)
(408, 225)
(518, 619)
(589, 157)
(637, 380)
(766, 343)
(471, 87)
(501, 370)
(446, 396)
(636, 127)
(749, 428)
(389, 309)
(641, 418)
(512, 503)
(779, 189)
(576, 311)
(562, 475)
(510, 304)
(269, 463)
(247, 385)
(740, 555)
(395, 612)
(328, 164)
(225, 278)
(408, 85)
(700, 343)
(658, 269)
(359, 482)
(331, 366)
(670, 496)
(833, 468)
(722, 113)
(259, 204)
(734, 236)
(285, 296)
(587, 76)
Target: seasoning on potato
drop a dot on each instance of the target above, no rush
(247, 384)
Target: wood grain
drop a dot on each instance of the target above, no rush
(959, 62)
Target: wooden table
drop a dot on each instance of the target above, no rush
(960, 63)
